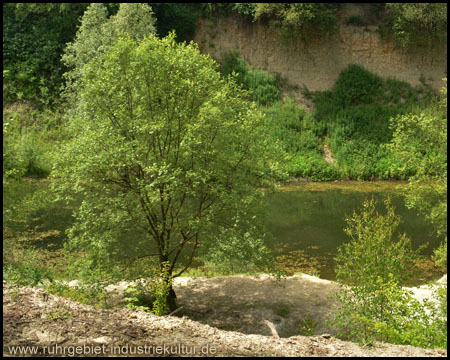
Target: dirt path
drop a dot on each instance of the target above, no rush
(329, 158)
(32, 317)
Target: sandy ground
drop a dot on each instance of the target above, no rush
(242, 303)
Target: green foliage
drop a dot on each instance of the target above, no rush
(420, 141)
(13, 167)
(307, 326)
(287, 123)
(296, 19)
(422, 24)
(245, 9)
(85, 293)
(372, 252)
(299, 134)
(440, 256)
(29, 137)
(151, 294)
(408, 321)
(24, 270)
(372, 304)
(237, 247)
(313, 167)
(389, 313)
(263, 87)
(232, 63)
(162, 149)
(34, 36)
(178, 17)
(356, 85)
(136, 296)
(356, 115)
(97, 33)
(160, 285)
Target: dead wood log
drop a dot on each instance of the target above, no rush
(272, 328)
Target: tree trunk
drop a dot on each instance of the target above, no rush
(170, 301)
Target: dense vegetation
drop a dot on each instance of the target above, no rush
(353, 119)
(372, 304)
(81, 82)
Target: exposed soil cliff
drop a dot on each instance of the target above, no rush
(316, 63)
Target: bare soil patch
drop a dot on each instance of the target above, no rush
(242, 303)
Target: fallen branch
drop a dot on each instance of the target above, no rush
(272, 328)
(175, 311)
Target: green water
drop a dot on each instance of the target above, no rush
(306, 221)
(307, 225)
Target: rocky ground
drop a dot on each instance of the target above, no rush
(34, 318)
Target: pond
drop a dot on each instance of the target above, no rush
(307, 223)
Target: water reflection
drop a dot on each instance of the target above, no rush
(309, 224)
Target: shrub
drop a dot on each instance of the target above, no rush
(372, 304)
(151, 294)
(372, 251)
(356, 85)
(307, 326)
(233, 63)
(389, 313)
(85, 293)
(312, 166)
(358, 123)
(263, 87)
(23, 269)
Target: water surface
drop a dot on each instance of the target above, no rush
(307, 222)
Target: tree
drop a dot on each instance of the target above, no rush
(97, 33)
(163, 149)
(420, 142)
